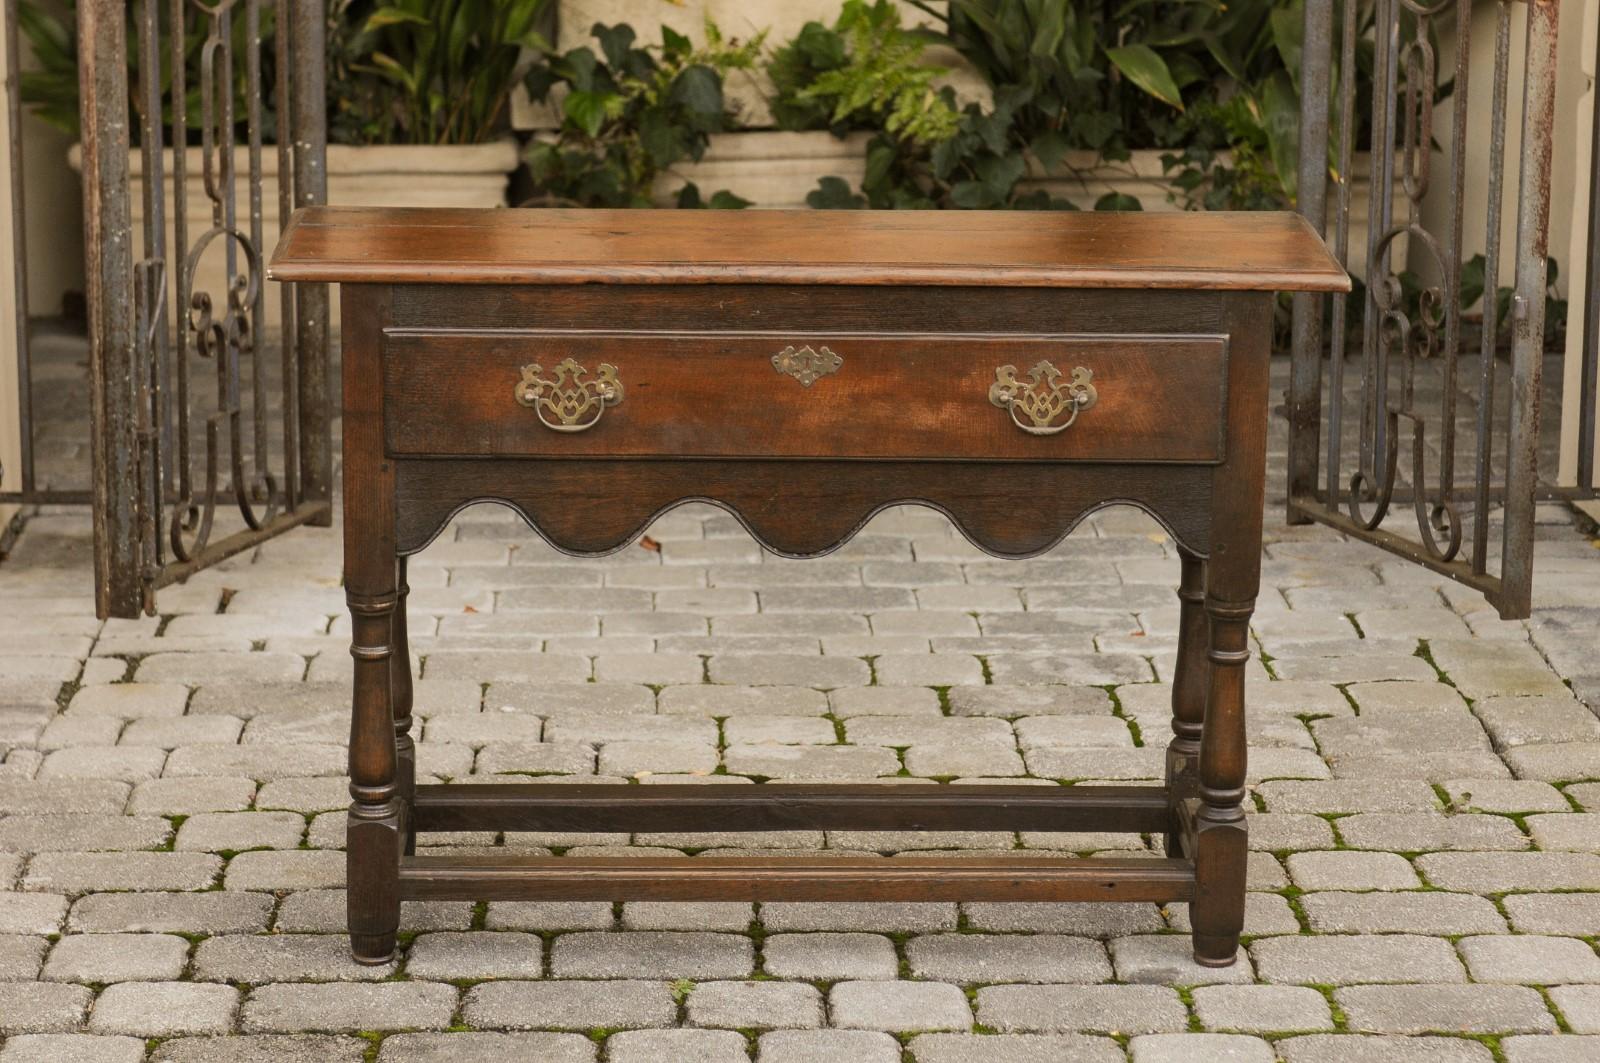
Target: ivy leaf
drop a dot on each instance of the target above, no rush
(674, 43)
(615, 41)
(880, 156)
(972, 195)
(833, 193)
(722, 199)
(1472, 272)
(1000, 174)
(1117, 201)
(661, 140)
(698, 89)
(578, 66)
(1049, 147)
(688, 199)
(1141, 65)
(588, 110)
(948, 154)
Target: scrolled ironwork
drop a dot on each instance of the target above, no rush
(1408, 348)
(199, 297)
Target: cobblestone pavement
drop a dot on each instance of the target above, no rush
(1426, 779)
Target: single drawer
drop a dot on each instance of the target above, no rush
(1155, 398)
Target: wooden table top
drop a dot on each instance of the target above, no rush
(1263, 251)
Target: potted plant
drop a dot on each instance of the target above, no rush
(418, 96)
(633, 118)
(768, 157)
(1150, 105)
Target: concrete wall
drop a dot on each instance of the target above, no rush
(1576, 126)
(54, 196)
(10, 424)
(1568, 203)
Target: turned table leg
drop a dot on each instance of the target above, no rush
(1232, 580)
(374, 837)
(1221, 841)
(400, 693)
(1190, 681)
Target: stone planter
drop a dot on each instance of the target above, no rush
(771, 169)
(1143, 178)
(774, 169)
(400, 175)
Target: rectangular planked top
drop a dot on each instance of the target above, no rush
(1259, 251)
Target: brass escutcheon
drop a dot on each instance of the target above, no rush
(806, 364)
(1044, 397)
(569, 403)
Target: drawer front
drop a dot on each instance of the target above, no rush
(1156, 398)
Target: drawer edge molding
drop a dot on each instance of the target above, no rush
(797, 508)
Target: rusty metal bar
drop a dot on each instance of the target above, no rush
(288, 345)
(108, 253)
(309, 48)
(1491, 281)
(233, 545)
(151, 348)
(1338, 340)
(1400, 334)
(1588, 377)
(1527, 345)
(1305, 372)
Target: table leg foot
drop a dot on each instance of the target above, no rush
(372, 878)
(1216, 915)
(372, 950)
(1216, 950)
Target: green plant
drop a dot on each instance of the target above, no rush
(1217, 83)
(50, 89)
(1062, 76)
(450, 66)
(864, 72)
(629, 113)
(1555, 307)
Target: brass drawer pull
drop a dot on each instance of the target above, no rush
(1044, 398)
(569, 403)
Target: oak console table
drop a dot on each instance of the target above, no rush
(1016, 371)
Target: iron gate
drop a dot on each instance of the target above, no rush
(1418, 390)
(189, 470)
(186, 474)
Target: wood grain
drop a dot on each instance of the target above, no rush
(1262, 251)
(717, 394)
(625, 807)
(513, 876)
(593, 506)
(1172, 311)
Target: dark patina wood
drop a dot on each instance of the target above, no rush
(442, 309)
(830, 806)
(513, 876)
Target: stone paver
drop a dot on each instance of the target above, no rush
(289, 1007)
(1453, 1008)
(1425, 858)
(165, 1009)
